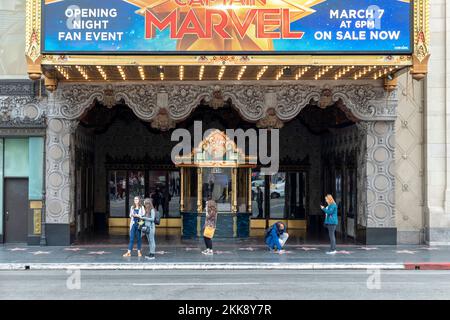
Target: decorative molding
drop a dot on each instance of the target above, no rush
(380, 172)
(58, 176)
(362, 102)
(21, 112)
(18, 88)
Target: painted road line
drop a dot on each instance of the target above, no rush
(198, 284)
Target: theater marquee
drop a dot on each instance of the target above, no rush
(227, 26)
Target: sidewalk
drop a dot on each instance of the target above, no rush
(228, 255)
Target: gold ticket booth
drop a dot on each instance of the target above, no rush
(216, 168)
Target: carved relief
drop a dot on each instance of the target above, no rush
(270, 121)
(163, 121)
(380, 171)
(364, 102)
(58, 163)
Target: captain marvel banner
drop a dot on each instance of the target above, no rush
(227, 26)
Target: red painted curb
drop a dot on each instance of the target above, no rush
(427, 266)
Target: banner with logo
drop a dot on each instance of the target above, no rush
(227, 26)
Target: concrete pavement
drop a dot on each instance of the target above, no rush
(228, 255)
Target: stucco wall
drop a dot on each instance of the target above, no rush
(12, 39)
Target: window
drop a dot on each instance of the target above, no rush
(117, 186)
(278, 196)
(217, 184)
(258, 198)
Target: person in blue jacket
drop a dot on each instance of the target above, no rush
(331, 221)
(276, 237)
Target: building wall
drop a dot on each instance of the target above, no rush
(437, 133)
(409, 166)
(12, 39)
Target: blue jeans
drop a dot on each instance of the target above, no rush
(151, 240)
(135, 232)
(331, 233)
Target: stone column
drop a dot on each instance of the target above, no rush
(58, 181)
(380, 175)
(437, 125)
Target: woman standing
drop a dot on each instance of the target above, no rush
(137, 211)
(149, 219)
(210, 225)
(331, 221)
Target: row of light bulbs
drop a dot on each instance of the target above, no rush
(261, 72)
(221, 72)
(301, 72)
(376, 71)
(63, 71)
(241, 72)
(82, 71)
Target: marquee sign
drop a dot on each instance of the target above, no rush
(227, 26)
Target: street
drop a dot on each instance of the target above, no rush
(230, 285)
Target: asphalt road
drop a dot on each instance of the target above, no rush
(232, 285)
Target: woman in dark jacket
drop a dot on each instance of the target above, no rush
(331, 221)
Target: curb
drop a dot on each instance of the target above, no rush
(201, 266)
(428, 266)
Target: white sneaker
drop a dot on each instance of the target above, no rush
(210, 252)
(207, 252)
(331, 252)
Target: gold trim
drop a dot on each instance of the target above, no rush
(35, 204)
(421, 39)
(249, 187)
(234, 190)
(125, 223)
(401, 60)
(33, 38)
(182, 189)
(37, 220)
(199, 190)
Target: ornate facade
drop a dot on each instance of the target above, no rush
(374, 109)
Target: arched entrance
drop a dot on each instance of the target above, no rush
(335, 139)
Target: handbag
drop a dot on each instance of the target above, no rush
(157, 218)
(141, 224)
(209, 232)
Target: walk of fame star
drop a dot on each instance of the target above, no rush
(406, 251)
(308, 249)
(40, 252)
(98, 252)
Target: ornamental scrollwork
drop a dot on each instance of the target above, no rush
(248, 100)
(291, 99)
(184, 98)
(361, 102)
